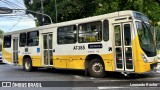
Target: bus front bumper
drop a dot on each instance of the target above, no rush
(153, 66)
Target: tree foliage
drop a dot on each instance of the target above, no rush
(1, 33)
(75, 9)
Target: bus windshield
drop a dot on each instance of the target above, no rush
(146, 38)
(144, 30)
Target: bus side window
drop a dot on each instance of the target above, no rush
(33, 38)
(7, 41)
(90, 32)
(67, 35)
(22, 40)
(105, 30)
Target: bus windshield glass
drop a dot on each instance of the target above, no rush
(146, 38)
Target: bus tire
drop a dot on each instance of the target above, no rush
(27, 65)
(96, 68)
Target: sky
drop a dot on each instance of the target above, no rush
(16, 20)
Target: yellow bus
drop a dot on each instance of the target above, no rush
(119, 42)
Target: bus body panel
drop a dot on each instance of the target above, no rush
(140, 65)
(7, 56)
(73, 56)
(109, 61)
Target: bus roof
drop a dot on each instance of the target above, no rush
(72, 22)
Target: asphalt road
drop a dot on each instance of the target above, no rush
(58, 79)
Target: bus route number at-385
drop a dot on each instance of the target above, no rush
(79, 48)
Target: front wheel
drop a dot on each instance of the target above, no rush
(96, 68)
(27, 65)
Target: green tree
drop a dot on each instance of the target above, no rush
(67, 9)
(75, 9)
(149, 7)
(36, 6)
(1, 33)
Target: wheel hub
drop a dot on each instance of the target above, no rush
(27, 65)
(97, 67)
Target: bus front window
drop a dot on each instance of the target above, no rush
(145, 38)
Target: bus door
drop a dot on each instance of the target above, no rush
(47, 49)
(15, 50)
(123, 47)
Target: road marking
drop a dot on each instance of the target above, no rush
(92, 78)
(79, 77)
(111, 87)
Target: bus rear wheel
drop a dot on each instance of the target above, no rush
(27, 65)
(96, 68)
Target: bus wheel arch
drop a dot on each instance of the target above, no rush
(27, 63)
(95, 61)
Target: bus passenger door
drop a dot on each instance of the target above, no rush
(123, 47)
(15, 50)
(47, 49)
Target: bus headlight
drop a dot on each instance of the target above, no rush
(144, 58)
